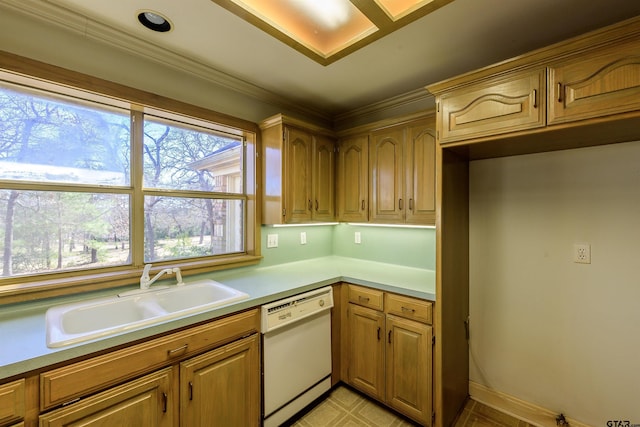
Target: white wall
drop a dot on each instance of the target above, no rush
(564, 336)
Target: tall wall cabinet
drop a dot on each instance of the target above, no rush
(581, 92)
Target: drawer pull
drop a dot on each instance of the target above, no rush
(399, 204)
(175, 351)
(362, 204)
(408, 310)
(410, 204)
(559, 92)
(363, 299)
(164, 402)
(378, 333)
(535, 98)
(190, 390)
(389, 337)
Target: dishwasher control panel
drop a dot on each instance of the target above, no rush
(292, 309)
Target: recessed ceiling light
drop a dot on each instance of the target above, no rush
(154, 21)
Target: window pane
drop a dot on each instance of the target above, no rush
(187, 227)
(46, 231)
(48, 139)
(187, 158)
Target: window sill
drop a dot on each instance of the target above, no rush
(60, 286)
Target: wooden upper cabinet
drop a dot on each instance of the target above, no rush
(353, 179)
(420, 155)
(297, 182)
(387, 172)
(402, 166)
(603, 82)
(496, 106)
(323, 179)
(298, 171)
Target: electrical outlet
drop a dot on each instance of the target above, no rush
(272, 240)
(303, 237)
(358, 238)
(582, 253)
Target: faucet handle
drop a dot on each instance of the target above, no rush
(176, 270)
(144, 279)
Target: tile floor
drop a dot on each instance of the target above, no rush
(348, 408)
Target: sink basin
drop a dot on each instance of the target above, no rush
(82, 321)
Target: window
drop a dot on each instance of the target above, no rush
(88, 183)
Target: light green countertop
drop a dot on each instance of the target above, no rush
(22, 326)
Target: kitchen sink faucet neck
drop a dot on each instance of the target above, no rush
(146, 281)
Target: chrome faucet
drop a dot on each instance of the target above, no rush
(146, 282)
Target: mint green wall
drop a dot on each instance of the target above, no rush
(411, 247)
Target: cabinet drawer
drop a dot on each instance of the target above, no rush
(366, 297)
(508, 104)
(65, 384)
(12, 401)
(409, 308)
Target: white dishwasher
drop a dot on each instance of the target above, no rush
(296, 353)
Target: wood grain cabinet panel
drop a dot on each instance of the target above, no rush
(409, 368)
(299, 172)
(366, 350)
(12, 401)
(402, 167)
(145, 402)
(353, 179)
(222, 387)
(603, 82)
(493, 107)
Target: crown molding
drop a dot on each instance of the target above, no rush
(408, 102)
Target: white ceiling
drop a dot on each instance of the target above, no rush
(459, 37)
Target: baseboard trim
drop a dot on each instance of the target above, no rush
(518, 408)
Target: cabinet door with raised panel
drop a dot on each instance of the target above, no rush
(409, 368)
(353, 179)
(366, 350)
(145, 402)
(420, 162)
(387, 176)
(324, 160)
(222, 387)
(505, 104)
(12, 401)
(297, 182)
(604, 82)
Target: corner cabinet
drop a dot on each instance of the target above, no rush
(299, 170)
(389, 350)
(386, 172)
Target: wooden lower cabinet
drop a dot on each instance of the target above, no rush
(12, 402)
(145, 402)
(409, 368)
(389, 356)
(222, 387)
(366, 350)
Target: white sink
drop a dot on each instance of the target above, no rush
(82, 321)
